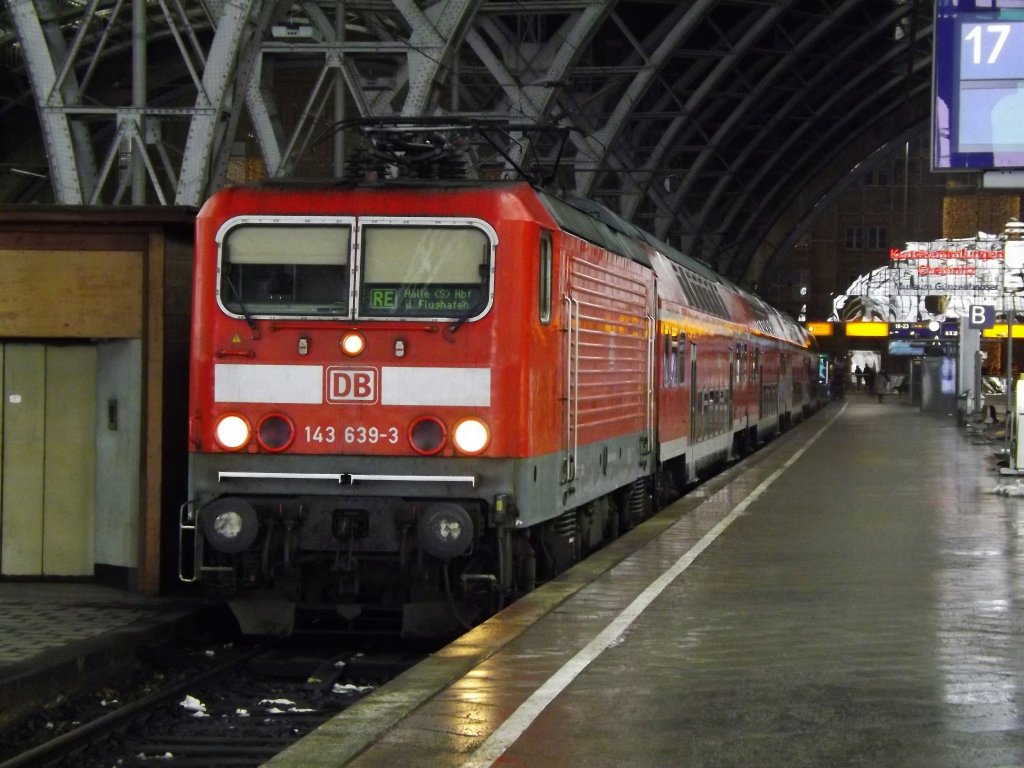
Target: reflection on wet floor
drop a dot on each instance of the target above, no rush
(864, 611)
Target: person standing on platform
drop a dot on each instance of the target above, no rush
(881, 384)
(837, 384)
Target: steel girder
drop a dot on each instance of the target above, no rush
(35, 33)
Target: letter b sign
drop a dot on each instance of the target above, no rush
(982, 316)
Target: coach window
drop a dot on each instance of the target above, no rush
(668, 359)
(544, 299)
(673, 359)
(436, 271)
(681, 358)
(285, 269)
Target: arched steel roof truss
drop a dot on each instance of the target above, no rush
(699, 121)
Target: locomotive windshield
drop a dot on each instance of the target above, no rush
(280, 269)
(407, 270)
(424, 271)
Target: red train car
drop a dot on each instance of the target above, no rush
(409, 403)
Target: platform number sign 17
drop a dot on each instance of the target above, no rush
(985, 43)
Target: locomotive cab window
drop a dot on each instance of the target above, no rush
(431, 270)
(274, 268)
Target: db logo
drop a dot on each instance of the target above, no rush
(348, 385)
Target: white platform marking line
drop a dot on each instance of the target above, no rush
(506, 734)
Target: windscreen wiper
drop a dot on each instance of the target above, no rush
(455, 324)
(241, 308)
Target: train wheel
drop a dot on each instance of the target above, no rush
(524, 565)
(612, 524)
(594, 521)
(666, 490)
(637, 504)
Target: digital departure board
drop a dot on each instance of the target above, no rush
(925, 330)
(978, 86)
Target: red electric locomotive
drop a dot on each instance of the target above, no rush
(411, 402)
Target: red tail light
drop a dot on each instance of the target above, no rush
(427, 435)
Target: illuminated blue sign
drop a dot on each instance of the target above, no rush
(978, 110)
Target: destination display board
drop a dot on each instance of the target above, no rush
(925, 330)
(978, 86)
(438, 300)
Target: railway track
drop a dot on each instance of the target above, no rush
(240, 711)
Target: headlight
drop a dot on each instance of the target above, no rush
(275, 432)
(427, 435)
(232, 432)
(471, 436)
(353, 344)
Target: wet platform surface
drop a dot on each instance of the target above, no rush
(849, 596)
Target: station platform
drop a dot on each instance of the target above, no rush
(58, 636)
(850, 595)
